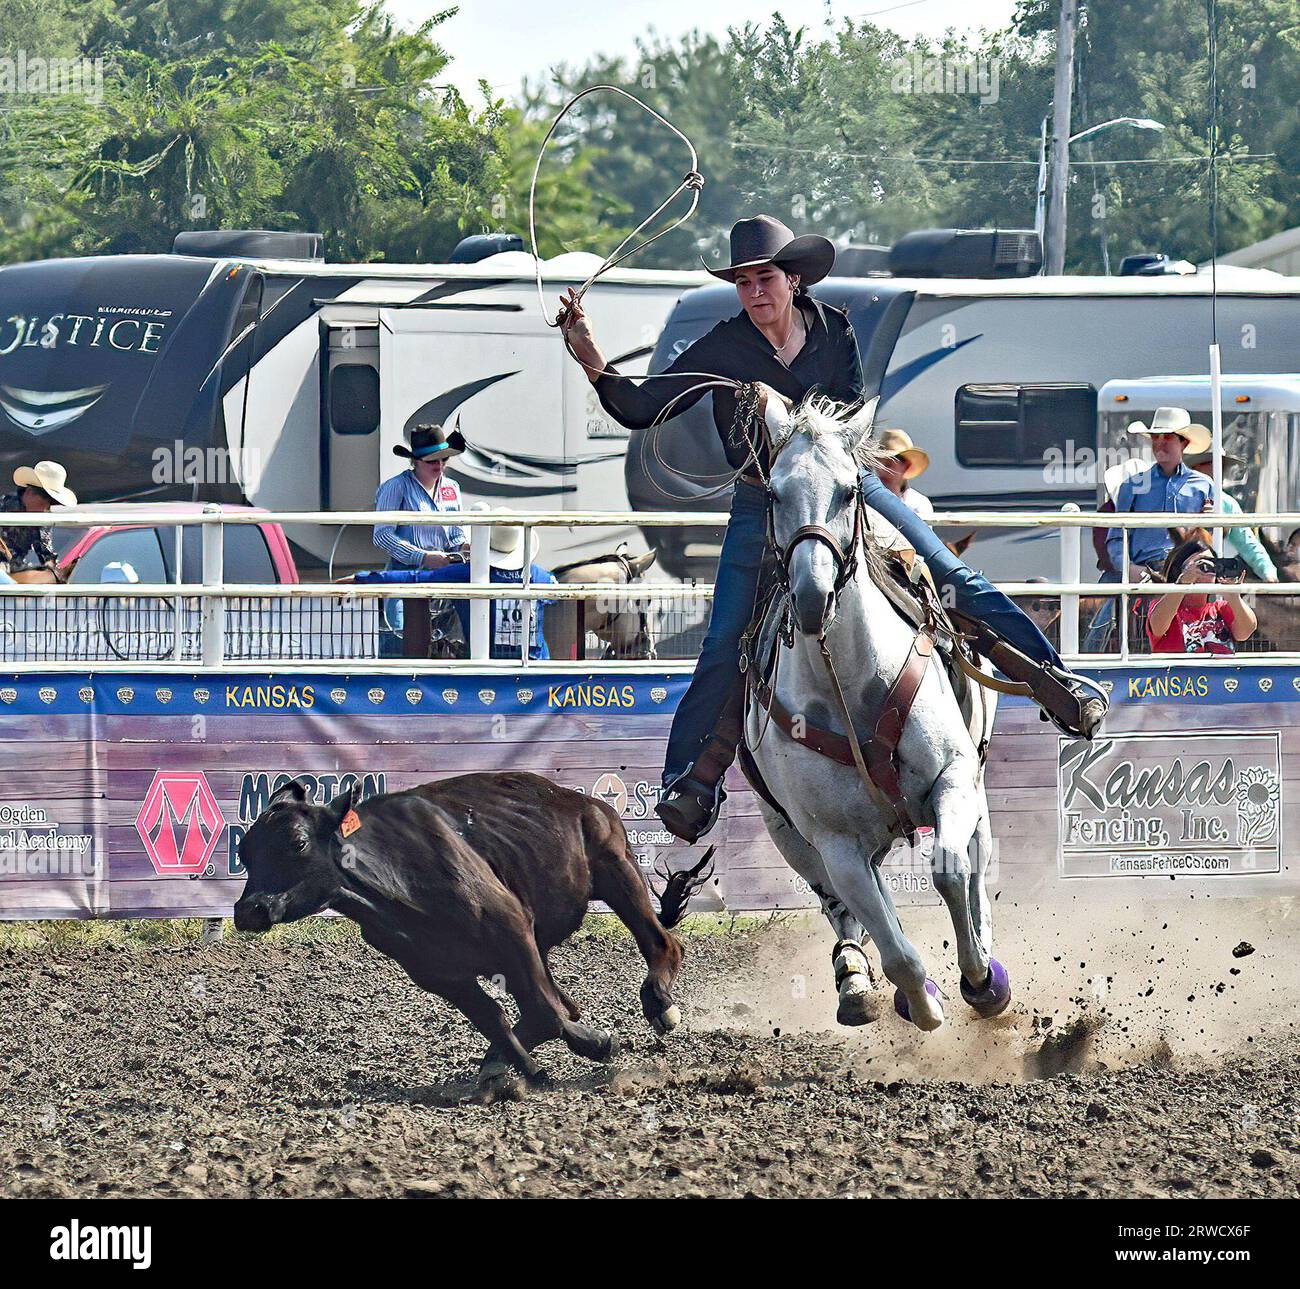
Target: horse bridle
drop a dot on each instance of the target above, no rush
(846, 562)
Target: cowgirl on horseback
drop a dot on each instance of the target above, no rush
(797, 346)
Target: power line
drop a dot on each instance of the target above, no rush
(995, 161)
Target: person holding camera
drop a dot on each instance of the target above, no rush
(40, 487)
(1195, 622)
(1168, 487)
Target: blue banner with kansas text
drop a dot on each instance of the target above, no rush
(128, 794)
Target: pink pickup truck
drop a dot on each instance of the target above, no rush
(254, 554)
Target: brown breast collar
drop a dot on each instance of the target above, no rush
(877, 759)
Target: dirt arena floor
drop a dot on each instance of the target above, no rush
(1140, 1058)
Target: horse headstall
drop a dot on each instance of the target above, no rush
(846, 561)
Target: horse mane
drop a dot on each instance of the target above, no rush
(822, 418)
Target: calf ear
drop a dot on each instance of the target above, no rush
(345, 801)
(292, 792)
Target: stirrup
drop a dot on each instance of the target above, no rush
(1088, 710)
(689, 808)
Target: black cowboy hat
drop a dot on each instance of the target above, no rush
(431, 442)
(764, 240)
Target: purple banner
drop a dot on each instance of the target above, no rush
(127, 795)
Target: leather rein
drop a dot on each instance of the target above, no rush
(877, 762)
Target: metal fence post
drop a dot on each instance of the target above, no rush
(480, 570)
(1070, 575)
(526, 617)
(214, 606)
(178, 604)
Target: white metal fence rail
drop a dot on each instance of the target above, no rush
(210, 603)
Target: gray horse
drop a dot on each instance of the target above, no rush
(839, 834)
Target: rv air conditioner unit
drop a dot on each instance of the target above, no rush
(959, 252)
(249, 243)
(861, 261)
(469, 250)
(1154, 264)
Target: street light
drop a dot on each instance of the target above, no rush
(1137, 122)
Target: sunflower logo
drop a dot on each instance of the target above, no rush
(1257, 802)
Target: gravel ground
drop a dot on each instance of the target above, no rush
(287, 1068)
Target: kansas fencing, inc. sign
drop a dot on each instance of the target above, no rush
(1192, 805)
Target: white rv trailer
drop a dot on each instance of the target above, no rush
(998, 380)
(221, 373)
(464, 345)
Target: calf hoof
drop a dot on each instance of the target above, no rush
(857, 1005)
(498, 1081)
(667, 1021)
(994, 997)
(927, 1018)
(594, 1044)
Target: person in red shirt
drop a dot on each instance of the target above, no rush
(1196, 622)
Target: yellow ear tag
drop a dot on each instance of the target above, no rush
(351, 822)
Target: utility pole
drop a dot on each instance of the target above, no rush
(1054, 242)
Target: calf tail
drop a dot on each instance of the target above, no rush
(678, 888)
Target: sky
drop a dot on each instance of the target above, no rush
(506, 41)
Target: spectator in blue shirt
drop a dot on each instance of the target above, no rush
(1168, 487)
(506, 546)
(424, 487)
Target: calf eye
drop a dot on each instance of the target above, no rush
(300, 839)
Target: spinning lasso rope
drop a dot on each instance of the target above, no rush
(692, 180)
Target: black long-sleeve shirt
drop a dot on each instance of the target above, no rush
(827, 364)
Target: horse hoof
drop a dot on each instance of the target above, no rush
(995, 995)
(498, 1082)
(667, 1021)
(589, 1042)
(857, 1007)
(904, 1010)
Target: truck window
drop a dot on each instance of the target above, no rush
(245, 559)
(137, 547)
(1024, 425)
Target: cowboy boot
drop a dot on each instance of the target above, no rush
(689, 807)
(1076, 704)
(692, 801)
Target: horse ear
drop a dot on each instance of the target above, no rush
(776, 416)
(640, 563)
(860, 423)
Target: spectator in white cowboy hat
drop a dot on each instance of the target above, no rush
(1242, 541)
(1169, 486)
(40, 487)
(507, 557)
(903, 463)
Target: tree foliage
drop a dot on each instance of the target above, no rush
(325, 115)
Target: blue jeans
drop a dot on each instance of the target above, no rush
(717, 672)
